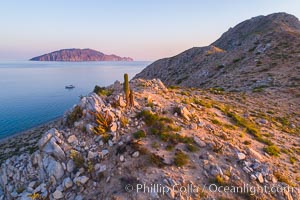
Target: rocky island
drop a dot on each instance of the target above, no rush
(237, 127)
(79, 55)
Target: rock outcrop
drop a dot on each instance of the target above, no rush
(262, 52)
(78, 55)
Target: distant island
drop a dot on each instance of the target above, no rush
(79, 55)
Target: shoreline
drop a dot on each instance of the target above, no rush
(25, 141)
(38, 126)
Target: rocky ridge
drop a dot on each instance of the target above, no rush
(78, 55)
(259, 53)
(172, 136)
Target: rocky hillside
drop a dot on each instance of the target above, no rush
(75, 55)
(182, 142)
(262, 52)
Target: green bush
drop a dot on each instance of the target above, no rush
(102, 91)
(191, 147)
(272, 150)
(75, 115)
(181, 159)
(139, 134)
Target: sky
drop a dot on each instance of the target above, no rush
(142, 29)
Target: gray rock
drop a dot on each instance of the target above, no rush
(184, 112)
(253, 177)
(46, 137)
(78, 197)
(194, 126)
(53, 149)
(25, 196)
(136, 154)
(53, 168)
(241, 156)
(93, 102)
(73, 140)
(92, 155)
(104, 152)
(3, 177)
(216, 170)
(254, 154)
(121, 101)
(81, 180)
(58, 194)
(100, 168)
(199, 142)
(89, 128)
(260, 177)
(122, 159)
(114, 127)
(67, 183)
(70, 166)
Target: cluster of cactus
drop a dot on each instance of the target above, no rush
(129, 95)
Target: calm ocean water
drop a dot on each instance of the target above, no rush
(32, 93)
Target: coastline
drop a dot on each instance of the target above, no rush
(25, 141)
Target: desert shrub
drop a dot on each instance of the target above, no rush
(236, 60)
(247, 124)
(174, 87)
(123, 121)
(181, 159)
(169, 147)
(272, 150)
(139, 134)
(206, 104)
(148, 117)
(293, 160)
(102, 91)
(176, 109)
(191, 147)
(77, 158)
(75, 115)
(217, 122)
(156, 160)
(281, 177)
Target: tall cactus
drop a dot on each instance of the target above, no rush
(131, 98)
(126, 89)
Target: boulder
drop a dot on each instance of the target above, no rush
(93, 103)
(47, 144)
(53, 168)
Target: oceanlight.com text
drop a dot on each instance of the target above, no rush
(213, 188)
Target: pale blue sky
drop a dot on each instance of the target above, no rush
(144, 30)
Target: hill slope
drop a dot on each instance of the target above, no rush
(175, 138)
(260, 52)
(73, 55)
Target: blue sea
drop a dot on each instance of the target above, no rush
(32, 92)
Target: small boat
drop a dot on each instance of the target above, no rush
(70, 87)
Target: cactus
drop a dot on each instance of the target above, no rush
(126, 89)
(131, 98)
